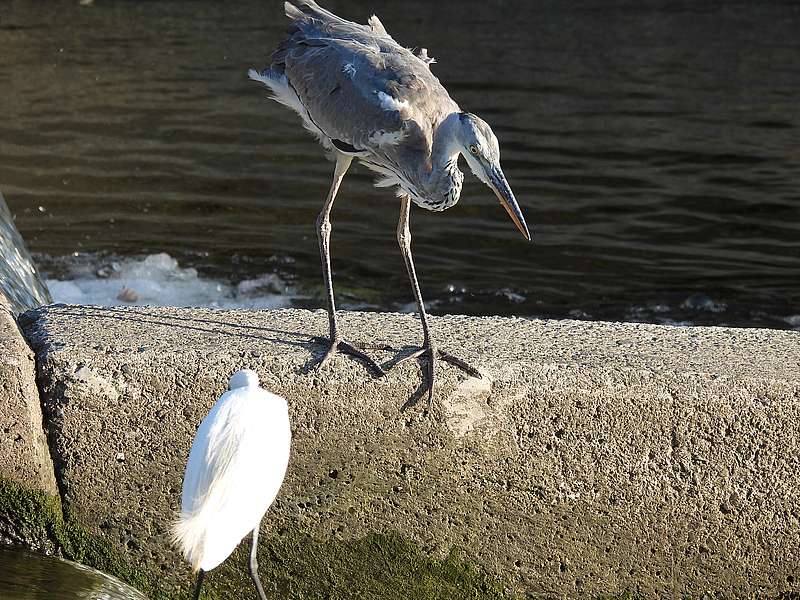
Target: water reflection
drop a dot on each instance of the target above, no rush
(28, 576)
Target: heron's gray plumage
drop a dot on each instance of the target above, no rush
(361, 92)
(367, 97)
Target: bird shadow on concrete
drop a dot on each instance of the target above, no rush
(208, 326)
(401, 354)
(217, 327)
(414, 399)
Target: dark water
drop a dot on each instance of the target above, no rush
(653, 146)
(27, 576)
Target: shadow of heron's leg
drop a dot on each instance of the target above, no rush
(334, 341)
(200, 576)
(254, 564)
(427, 350)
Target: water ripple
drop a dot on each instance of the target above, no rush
(652, 147)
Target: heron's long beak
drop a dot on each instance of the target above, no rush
(499, 184)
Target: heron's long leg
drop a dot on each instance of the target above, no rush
(324, 238)
(404, 240)
(254, 564)
(200, 576)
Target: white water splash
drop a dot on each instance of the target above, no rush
(158, 280)
(20, 281)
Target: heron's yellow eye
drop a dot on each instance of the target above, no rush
(473, 149)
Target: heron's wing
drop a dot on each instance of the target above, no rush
(314, 21)
(358, 85)
(347, 91)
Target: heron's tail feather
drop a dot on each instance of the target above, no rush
(283, 92)
(189, 534)
(375, 23)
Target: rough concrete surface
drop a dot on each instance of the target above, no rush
(591, 459)
(24, 456)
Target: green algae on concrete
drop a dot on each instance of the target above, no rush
(35, 520)
(27, 516)
(377, 567)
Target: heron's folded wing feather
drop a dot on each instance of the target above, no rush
(333, 91)
(366, 97)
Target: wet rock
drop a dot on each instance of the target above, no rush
(24, 456)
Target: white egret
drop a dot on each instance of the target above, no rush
(236, 466)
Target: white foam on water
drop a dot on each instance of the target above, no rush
(158, 280)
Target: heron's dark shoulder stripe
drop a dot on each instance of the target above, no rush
(343, 146)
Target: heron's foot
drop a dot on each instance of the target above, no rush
(356, 350)
(430, 355)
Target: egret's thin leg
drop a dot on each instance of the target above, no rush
(404, 240)
(324, 238)
(254, 564)
(200, 576)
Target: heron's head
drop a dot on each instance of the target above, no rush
(243, 378)
(482, 152)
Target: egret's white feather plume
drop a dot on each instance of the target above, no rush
(236, 466)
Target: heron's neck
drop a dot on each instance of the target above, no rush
(444, 182)
(445, 143)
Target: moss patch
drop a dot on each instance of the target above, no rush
(377, 567)
(292, 565)
(35, 519)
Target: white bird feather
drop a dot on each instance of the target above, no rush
(236, 467)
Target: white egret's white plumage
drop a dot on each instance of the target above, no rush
(236, 466)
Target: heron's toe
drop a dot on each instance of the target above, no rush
(340, 346)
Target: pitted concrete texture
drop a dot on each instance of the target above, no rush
(24, 456)
(591, 459)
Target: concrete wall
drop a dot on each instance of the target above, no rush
(591, 459)
(24, 456)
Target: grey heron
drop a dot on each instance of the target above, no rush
(365, 96)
